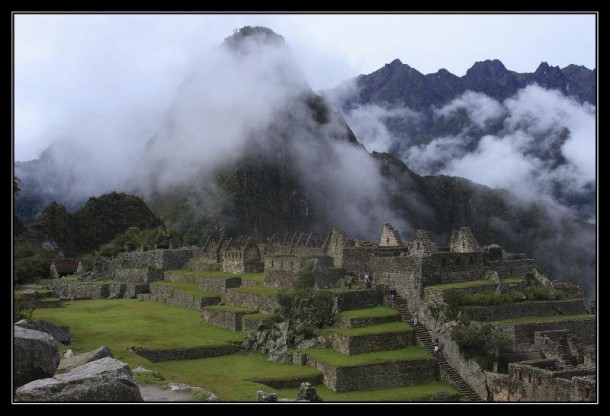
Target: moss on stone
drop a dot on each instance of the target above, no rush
(376, 312)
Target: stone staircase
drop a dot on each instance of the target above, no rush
(424, 338)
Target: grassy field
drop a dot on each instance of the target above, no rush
(124, 322)
(376, 312)
(392, 394)
(512, 279)
(258, 315)
(335, 358)
(389, 327)
(552, 318)
(190, 288)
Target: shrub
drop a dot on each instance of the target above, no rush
(149, 377)
(313, 308)
(481, 343)
(22, 310)
(305, 280)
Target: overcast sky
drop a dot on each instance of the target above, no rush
(69, 66)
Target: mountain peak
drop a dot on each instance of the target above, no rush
(489, 67)
(258, 33)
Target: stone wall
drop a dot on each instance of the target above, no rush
(212, 284)
(351, 345)
(281, 270)
(231, 320)
(264, 303)
(156, 259)
(389, 236)
(251, 322)
(584, 330)
(278, 384)
(137, 275)
(373, 376)
(185, 300)
(190, 353)
(358, 299)
(78, 290)
(523, 309)
(513, 267)
(348, 323)
(463, 241)
(541, 381)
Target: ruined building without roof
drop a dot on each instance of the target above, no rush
(552, 355)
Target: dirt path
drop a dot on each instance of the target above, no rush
(152, 393)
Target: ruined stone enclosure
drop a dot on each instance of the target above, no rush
(236, 283)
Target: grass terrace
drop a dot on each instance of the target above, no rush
(376, 312)
(335, 358)
(419, 392)
(389, 327)
(542, 319)
(259, 315)
(465, 285)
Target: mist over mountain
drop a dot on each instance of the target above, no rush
(532, 133)
(246, 147)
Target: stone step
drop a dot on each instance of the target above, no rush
(382, 337)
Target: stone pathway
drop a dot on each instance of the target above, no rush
(153, 393)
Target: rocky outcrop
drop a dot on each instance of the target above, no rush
(104, 380)
(60, 333)
(71, 363)
(35, 355)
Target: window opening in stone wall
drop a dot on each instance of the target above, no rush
(271, 263)
(530, 378)
(520, 375)
(539, 380)
(587, 393)
(463, 244)
(387, 241)
(282, 264)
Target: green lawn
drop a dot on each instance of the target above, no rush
(376, 312)
(123, 322)
(335, 358)
(512, 279)
(258, 277)
(70, 278)
(392, 394)
(389, 327)
(260, 290)
(231, 308)
(190, 288)
(552, 318)
(463, 285)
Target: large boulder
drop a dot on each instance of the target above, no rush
(71, 363)
(36, 355)
(104, 380)
(60, 333)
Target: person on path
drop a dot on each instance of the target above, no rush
(436, 349)
(414, 319)
(367, 281)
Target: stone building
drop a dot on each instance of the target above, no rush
(64, 267)
(246, 259)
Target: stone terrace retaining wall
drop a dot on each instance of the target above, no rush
(584, 330)
(373, 376)
(291, 383)
(78, 290)
(156, 259)
(250, 323)
(351, 345)
(231, 320)
(134, 275)
(184, 300)
(264, 303)
(358, 299)
(348, 323)
(523, 309)
(213, 284)
(190, 353)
